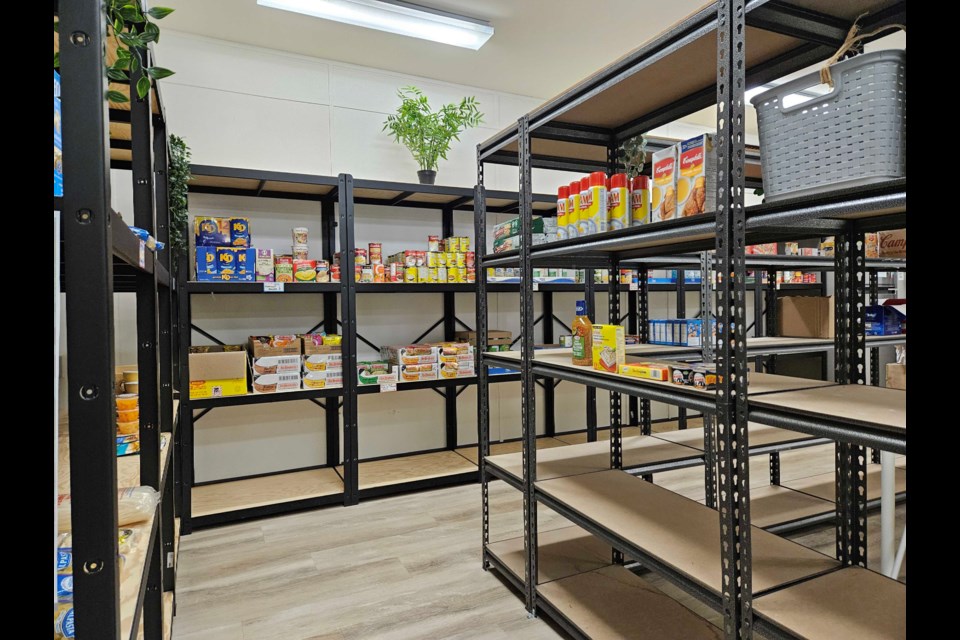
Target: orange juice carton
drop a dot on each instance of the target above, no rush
(696, 191)
(663, 204)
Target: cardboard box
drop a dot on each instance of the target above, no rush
(896, 376)
(318, 344)
(264, 266)
(646, 370)
(805, 317)
(275, 364)
(376, 372)
(410, 354)
(463, 369)
(664, 192)
(263, 346)
(418, 372)
(696, 191)
(323, 362)
(893, 244)
(207, 262)
(512, 227)
(276, 382)
(495, 337)
(884, 320)
(218, 373)
(328, 379)
(513, 242)
(609, 347)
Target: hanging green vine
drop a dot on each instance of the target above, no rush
(134, 31)
(178, 175)
(634, 155)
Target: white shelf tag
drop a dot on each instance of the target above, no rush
(143, 257)
(273, 287)
(384, 388)
(536, 286)
(634, 286)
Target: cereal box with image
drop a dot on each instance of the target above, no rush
(663, 204)
(696, 192)
(609, 347)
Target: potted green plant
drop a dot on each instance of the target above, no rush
(427, 133)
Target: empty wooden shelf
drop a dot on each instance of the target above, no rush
(561, 553)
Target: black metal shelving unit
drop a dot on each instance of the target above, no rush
(337, 198)
(755, 42)
(100, 257)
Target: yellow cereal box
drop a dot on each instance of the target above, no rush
(609, 347)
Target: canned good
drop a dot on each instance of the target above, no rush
(375, 253)
(441, 258)
(300, 235)
(394, 272)
(471, 258)
(410, 275)
(442, 274)
(461, 260)
(432, 275)
(464, 244)
(301, 252)
(566, 341)
(433, 243)
(335, 273)
(499, 272)
(432, 260)
(421, 258)
(453, 274)
(423, 274)
(379, 273)
(451, 259)
(471, 275)
(323, 271)
(360, 255)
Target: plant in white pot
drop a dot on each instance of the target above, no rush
(427, 133)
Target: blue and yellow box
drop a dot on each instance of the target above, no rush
(207, 263)
(239, 229)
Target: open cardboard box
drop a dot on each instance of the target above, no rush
(217, 372)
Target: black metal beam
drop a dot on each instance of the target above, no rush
(87, 255)
(348, 308)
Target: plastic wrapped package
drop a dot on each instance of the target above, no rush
(134, 504)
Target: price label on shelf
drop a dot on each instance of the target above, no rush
(536, 286)
(634, 286)
(385, 388)
(143, 256)
(273, 287)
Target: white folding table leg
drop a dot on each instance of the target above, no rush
(900, 553)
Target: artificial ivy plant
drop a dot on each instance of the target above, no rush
(134, 30)
(634, 154)
(178, 175)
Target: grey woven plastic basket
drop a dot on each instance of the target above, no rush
(852, 135)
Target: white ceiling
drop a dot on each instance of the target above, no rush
(540, 47)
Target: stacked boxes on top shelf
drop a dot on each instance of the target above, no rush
(224, 251)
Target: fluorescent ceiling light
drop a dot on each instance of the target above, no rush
(394, 16)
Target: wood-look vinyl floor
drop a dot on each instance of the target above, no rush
(399, 567)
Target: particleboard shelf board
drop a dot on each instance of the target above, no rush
(588, 457)
(235, 495)
(473, 453)
(167, 617)
(561, 553)
(680, 532)
(614, 603)
(381, 473)
(761, 435)
(850, 603)
(132, 573)
(856, 404)
(773, 504)
(128, 467)
(824, 486)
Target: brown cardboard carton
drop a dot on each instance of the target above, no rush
(263, 346)
(218, 373)
(897, 376)
(805, 317)
(893, 244)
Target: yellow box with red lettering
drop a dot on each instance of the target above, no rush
(609, 347)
